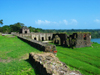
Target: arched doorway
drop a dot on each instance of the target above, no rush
(49, 38)
(42, 38)
(84, 36)
(35, 38)
(25, 32)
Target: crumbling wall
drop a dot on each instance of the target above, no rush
(40, 45)
(75, 40)
(83, 40)
(61, 38)
(48, 64)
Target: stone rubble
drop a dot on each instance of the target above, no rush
(48, 64)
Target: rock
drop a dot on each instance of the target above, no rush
(48, 64)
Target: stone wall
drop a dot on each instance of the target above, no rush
(42, 36)
(60, 38)
(48, 64)
(83, 40)
(75, 40)
(40, 45)
(36, 36)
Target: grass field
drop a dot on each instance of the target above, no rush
(86, 60)
(14, 54)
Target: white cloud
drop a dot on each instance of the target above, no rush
(74, 21)
(65, 21)
(42, 22)
(97, 21)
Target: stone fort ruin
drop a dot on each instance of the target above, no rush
(76, 40)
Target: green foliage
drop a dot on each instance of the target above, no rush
(11, 28)
(37, 30)
(6, 29)
(16, 27)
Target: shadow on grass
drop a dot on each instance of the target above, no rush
(33, 66)
(32, 44)
(38, 68)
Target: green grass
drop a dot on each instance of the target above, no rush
(86, 60)
(13, 56)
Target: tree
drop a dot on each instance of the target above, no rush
(31, 29)
(6, 29)
(1, 22)
(37, 30)
(16, 27)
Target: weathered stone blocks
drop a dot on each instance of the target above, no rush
(40, 45)
(48, 64)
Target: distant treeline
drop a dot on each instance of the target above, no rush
(95, 33)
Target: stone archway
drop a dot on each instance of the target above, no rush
(57, 40)
(49, 38)
(42, 38)
(25, 32)
(35, 38)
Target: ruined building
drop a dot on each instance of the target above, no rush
(76, 40)
(24, 30)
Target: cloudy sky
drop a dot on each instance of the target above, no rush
(52, 14)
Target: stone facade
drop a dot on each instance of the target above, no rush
(41, 36)
(24, 30)
(75, 40)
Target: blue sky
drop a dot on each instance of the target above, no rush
(52, 14)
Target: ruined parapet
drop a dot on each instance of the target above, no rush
(48, 64)
(40, 45)
(26, 35)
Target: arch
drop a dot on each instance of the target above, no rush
(35, 38)
(42, 38)
(25, 32)
(84, 36)
(49, 38)
(57, 40)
